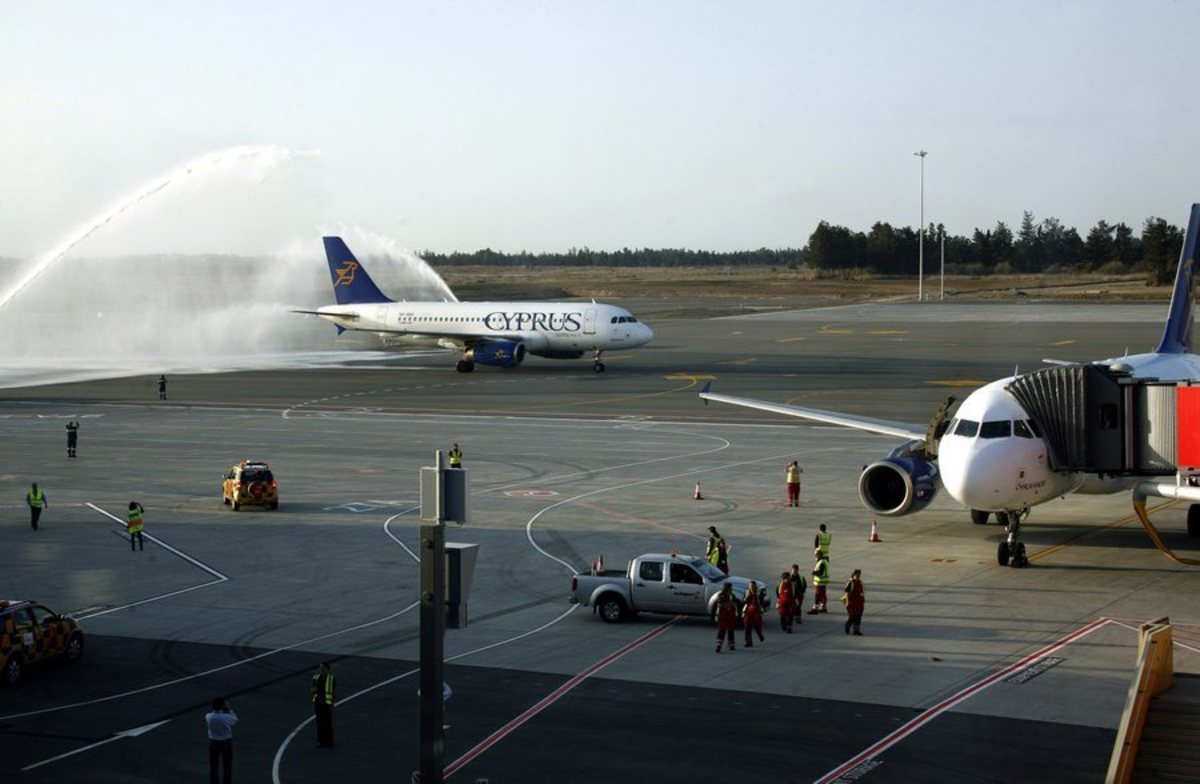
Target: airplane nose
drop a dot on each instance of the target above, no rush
(647, 334)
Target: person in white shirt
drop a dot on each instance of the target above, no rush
(220, 721)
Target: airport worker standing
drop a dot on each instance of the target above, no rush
(710, 548)
(799, 587)
(726, 616)
(322, 692)
(37, 501)
(162, 387)
(72, 437)
(752, 614)
(820, 575)
(220, 721)
(822, 540)
(137, 522)
(855, 599)
(785, 602)
(794, 473)
(722, 555)
(455, 457)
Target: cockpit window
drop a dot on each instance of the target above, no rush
(1000, 429)
(1021, 429)
(966, 428)
(631, 319)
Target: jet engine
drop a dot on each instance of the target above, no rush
(901, 483)
(501, 353)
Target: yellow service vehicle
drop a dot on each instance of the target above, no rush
(250, 482)
(31, 633)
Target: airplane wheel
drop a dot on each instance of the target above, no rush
(1194, 520)
(598, 367)
(1002, 518)
(1002, 554)
(1019, 561)
(464, 366)
(979, 518)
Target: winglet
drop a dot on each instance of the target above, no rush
(1177, 336)
(351, 283)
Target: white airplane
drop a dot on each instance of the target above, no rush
(488, 333)
(1025, 440)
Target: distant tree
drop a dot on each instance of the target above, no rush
(835, 247)
(1161, 243)
(1099, 249)
(1127, 248)
(1030, 253)
(1002, 241)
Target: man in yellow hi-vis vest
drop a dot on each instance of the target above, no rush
(822, 541)
(455, 457)
(322, 692)
(820, 579)
(37, 502)
(137, 521)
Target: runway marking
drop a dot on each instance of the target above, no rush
(553, 697)
(791, 339)
(743, 361)
(962, 382)
(693, 377)
(888, 332)
(930, 714)
(132, 733)
(1054, 548)
(828, 330)
(531, 493)
(1063, 343)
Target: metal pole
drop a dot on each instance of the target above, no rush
(942, 292)
(433, 629)
(921, 258)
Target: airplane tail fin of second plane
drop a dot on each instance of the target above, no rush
(1177, 337)
(351, 283)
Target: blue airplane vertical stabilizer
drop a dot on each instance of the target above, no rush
(1177, 337)
(351, 283)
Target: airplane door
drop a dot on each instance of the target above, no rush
(589, 321)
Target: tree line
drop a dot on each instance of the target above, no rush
(1037, 246)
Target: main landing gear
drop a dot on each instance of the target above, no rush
(464, 366)
(597, 365)
(1011, 552)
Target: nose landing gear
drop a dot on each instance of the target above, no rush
(597, 365)
(1011, 552)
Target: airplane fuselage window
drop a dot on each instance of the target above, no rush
(999, 429)
(966, 428)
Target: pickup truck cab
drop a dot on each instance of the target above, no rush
(658, 583)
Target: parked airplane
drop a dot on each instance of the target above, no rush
(1019, 441)
(487, 333)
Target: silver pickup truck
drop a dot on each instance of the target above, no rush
(659, 583)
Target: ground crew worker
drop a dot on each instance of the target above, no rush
(722, 555)
(820, 575)
(710, 548)
(726, 616)
(322, 692)
(822, 540)
(794, 472)
(799, 587)
(37, 502)
(220, 721)
(855, 599)
(455, 457)
(137, 519)
(786, 603)
(72, 437)
(752, 614)
(162, 387)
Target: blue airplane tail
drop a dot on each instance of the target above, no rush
(351, 283)
(1177, 337)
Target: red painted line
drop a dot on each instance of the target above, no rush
(552, 698)
(929, 715)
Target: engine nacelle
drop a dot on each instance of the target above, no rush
(501, 353)
(897, 486)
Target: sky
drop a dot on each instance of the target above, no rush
(545, 126)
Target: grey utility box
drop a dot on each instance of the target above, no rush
(460, 571)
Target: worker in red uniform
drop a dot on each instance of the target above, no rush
(799, 587)
(785, 602)
(752, 614)
(855, 599)
(793, 483)
(726, 616)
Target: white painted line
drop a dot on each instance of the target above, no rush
(553, 697)
(930, 714)
(164, 545)
(133, 733)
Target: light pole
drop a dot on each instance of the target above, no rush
(921, 257)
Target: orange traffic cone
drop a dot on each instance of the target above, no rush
(696, 494)
(874, 537)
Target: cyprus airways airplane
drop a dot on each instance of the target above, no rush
(487, 333)
(1003, 451)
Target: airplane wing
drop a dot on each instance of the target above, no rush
(881, 426)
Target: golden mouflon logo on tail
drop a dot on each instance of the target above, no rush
(345, 275)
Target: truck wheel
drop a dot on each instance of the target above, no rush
(611, 608)
(74, 647)
(13, 669)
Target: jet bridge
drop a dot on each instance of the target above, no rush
(1098, 419)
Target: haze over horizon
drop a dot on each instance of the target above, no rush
(542, 127)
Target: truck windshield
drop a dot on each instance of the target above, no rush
(709, 571)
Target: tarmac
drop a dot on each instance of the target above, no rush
(966, 671)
